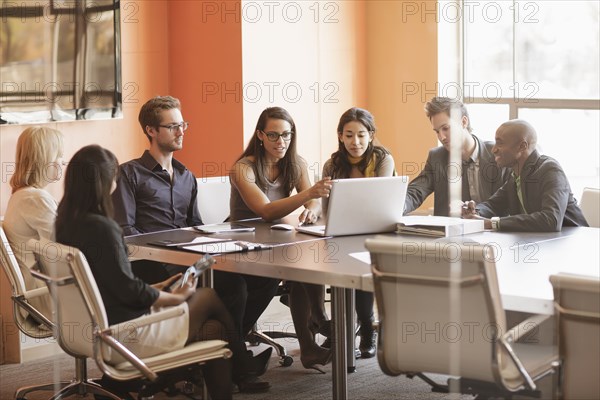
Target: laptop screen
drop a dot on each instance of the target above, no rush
(365, 205)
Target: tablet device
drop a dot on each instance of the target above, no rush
(228, 247)
(179, 243)
(224, 227)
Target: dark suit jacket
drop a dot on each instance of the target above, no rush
(434, 179)
(546, 195)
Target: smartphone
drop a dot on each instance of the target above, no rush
(201, 265)
(165, 243)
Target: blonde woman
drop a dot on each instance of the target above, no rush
(31, 210)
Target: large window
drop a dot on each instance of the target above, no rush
(535, 60)
(59, 60)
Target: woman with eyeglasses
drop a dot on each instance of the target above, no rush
(262, 181)
(358, 157)
(269, 169)
(31, 210)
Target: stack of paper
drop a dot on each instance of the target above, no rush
(438, 226)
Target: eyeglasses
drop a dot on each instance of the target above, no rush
(175, 127)
(274, 136)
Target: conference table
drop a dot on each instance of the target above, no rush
(524, 263)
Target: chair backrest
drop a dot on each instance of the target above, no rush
(439, 308)
(11, 266)
(213, 199)
(79, 306)
(590, 206)
(577, 303)
(20, 293)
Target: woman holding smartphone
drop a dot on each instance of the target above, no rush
(85, 221)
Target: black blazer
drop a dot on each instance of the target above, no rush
(547, 197)
(100, 239)
(434, 179)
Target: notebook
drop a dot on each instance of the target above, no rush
(362, 205)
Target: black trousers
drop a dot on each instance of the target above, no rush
(364, 307)
(245, 296)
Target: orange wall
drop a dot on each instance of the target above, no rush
(401, 77)
(145, 66)
(205, 53)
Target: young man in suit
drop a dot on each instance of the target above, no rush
(537, 196)
(481, 177)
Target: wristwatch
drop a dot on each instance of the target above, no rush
(495, 223)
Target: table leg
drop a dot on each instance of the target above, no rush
(350, 327)
(340, 379)
(207, 279)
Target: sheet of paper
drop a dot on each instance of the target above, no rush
(215, 248)
(363, 256)
(206, 239)
(194, 241)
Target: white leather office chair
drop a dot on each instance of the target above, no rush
(440, 316)
(33, 324)
(590, 206)
(83, 331)
(213, 198)
(577, 304)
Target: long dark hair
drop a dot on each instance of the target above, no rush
(88, 182)
(289, 165)
(340, 159)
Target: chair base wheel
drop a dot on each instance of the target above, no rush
(286, 361)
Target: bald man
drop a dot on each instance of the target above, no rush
(537, 196)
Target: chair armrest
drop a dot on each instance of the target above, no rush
(148, 319)
(517, 332)
(67, 280)
(23, 304)
(105, 336)
(520, 367)
(33, 293)
(513, 335)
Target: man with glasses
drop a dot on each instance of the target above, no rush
(156, 192)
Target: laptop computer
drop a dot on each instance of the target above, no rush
(362, 205)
